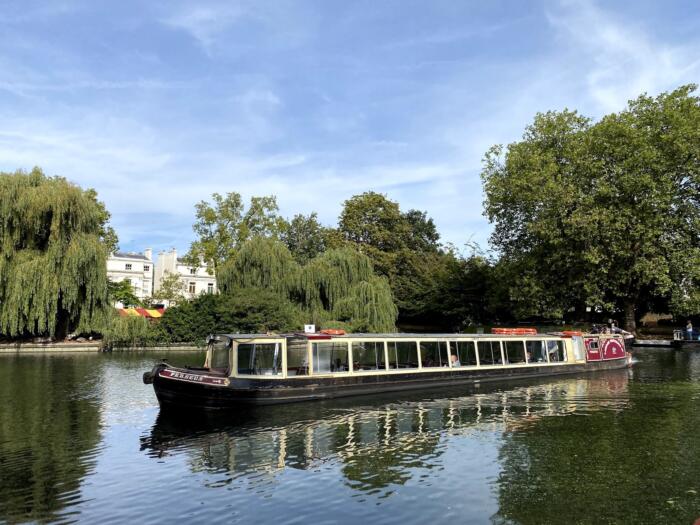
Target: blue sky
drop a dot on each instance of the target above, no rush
(157, 105)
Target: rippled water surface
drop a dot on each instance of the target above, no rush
(82, 439)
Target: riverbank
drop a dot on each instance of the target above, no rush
(27, 347)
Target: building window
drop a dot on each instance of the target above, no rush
(193, 271)
(192, 287)
(146, 268)
(128, 266)
(210, 287)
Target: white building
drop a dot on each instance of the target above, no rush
(134, 267)
(195, 281)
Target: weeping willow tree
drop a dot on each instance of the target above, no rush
(337, 286)
(52, 256)
(260, 263)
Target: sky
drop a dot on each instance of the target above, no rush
(157, 105)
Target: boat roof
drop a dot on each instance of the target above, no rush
(321, 336)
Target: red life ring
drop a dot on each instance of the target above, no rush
(514, 331)
(571, 333)
(333, 331)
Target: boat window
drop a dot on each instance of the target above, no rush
(556, 350)
(433, 355)
(330, 357)
(536, 351)
(297, 357)
(260, 359)
(489, 352)
(219, 354)
(465, 352)
(368, 355)
(514, 352)
(403, 354)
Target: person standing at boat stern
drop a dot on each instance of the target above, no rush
(689, 330)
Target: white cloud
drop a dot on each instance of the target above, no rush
(205, 22)
(621, 59)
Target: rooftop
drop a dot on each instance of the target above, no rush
(130, 255)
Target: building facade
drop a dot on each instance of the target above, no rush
(195, 281)
(134, 267)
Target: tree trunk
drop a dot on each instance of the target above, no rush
(630, 319)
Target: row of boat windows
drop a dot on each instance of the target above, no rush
(334, 357)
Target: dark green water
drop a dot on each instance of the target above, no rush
(81, 439)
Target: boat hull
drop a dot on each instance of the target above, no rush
(181, 388)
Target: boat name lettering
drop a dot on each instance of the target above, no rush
(192, 377)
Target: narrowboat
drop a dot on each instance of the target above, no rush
(265, 369)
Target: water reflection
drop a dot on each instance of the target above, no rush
(378, 445)
(49, 429)
(633, 466)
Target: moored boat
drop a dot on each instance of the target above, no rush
(261, 369)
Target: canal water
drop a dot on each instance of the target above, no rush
(82, 440)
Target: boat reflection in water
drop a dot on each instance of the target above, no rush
(375, 444)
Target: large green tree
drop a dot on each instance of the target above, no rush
(305, 237)
(54, 240)
(224, 224)
(602, 213)
(425, 276)
(338, 285)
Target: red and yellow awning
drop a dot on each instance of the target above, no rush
(152, 313)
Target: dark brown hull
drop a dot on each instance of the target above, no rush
(239, 392)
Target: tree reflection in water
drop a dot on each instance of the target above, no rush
(377, 445)
(49, 429)
(593, 467)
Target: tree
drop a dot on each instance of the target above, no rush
(305, 237)
(405, 247)
(422, 233)
(53, 256)
(602, 213)
(243, 310)
(222, 226)
(338, 285)
(123, 292)
(171, 289)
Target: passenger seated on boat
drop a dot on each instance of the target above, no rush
(455, 360)
(338, 366)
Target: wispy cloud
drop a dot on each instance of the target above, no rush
(313, 102)
(205, 22)
(620, 58)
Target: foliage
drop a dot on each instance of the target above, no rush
(305, 237)
(52, 256)
(260, 263)
(242, 310)
(405, 248)
(225, 224)
(171, 289)
(603, 213)
(130, 331)
(123, 292)
(48, 428)
(338, 285)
